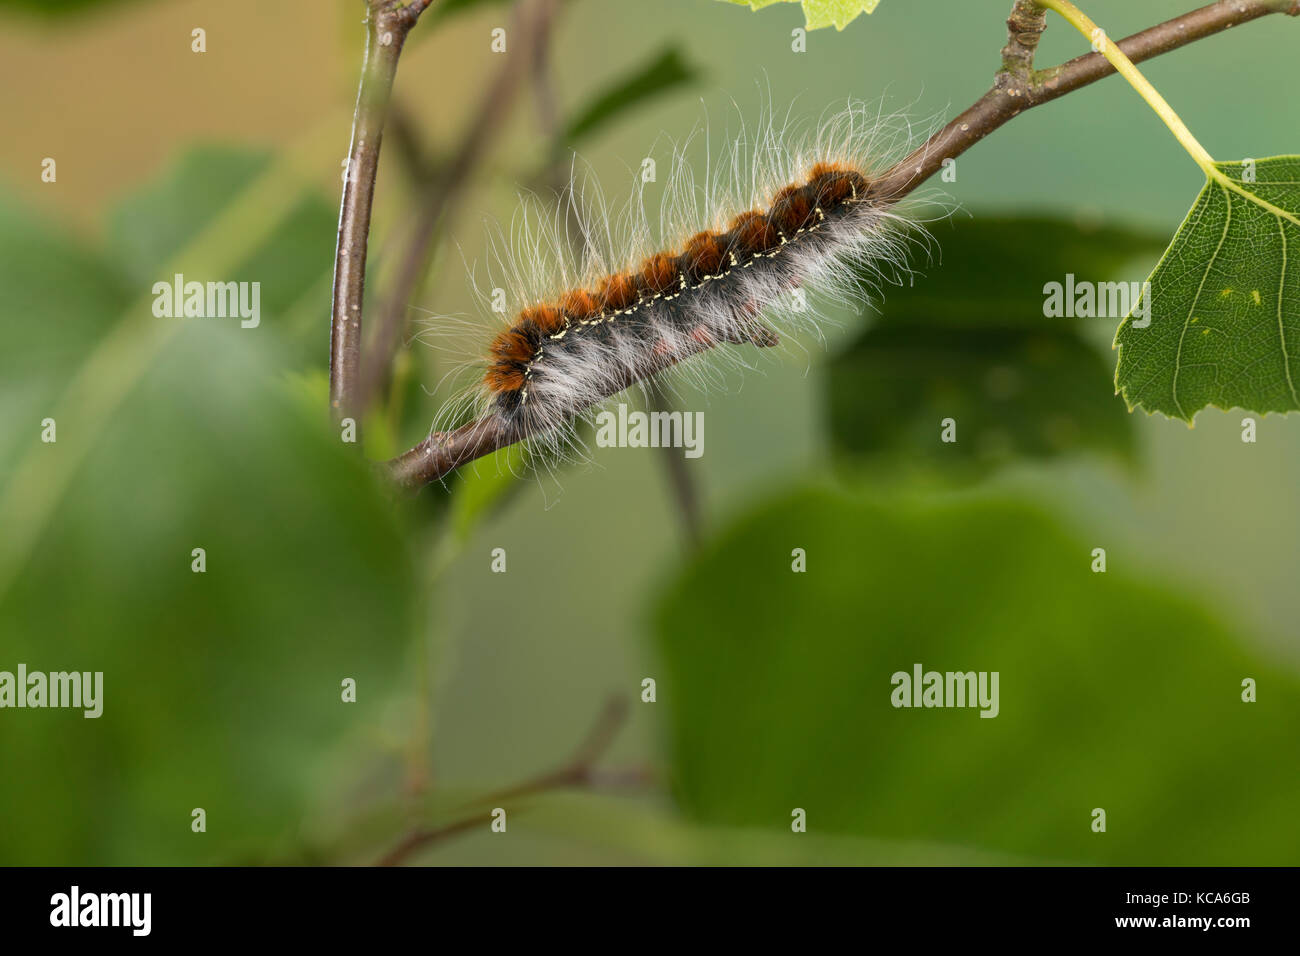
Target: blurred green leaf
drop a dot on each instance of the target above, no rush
(992, 269)
(969, 341)
(663, 73)
(147, 227)
(1013, 394)
(1224, 318)
(222, 689)
(1114, 692)
(57, 295)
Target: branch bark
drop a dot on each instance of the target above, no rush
(388, 22)
(1013, 92)
(1025, 28)
(1017, 87)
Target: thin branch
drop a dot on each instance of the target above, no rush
(685, 495)
(388, 22)
(1012, 95)
(545, 102)
(530, 28)
(578, 771)
(1014, 91)
(1025, 28)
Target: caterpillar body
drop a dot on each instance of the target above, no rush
(783, 216)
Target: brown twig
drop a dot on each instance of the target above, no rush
(1015, 92)
(388, 22)
(1025, 28)
(529, 31)
(685, 495)
(1016, 89)
(578, 771)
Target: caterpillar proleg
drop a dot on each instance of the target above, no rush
(605, 302)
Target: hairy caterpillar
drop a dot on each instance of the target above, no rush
(606, 307)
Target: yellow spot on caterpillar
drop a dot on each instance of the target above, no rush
(1254, 294)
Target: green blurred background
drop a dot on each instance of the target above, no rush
(1118, 691)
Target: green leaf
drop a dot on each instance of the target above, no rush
(222, 689)
(820, 13)
(50, 283)
(664, 72)
(149, 225)
(992, 270)
(1012, 392)
(1114, 692)
(969, 341)
(290, 262)
(1224, 302)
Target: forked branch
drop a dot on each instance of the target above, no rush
(578, 772)
(1017, 87)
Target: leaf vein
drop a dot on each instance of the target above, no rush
(1281, 328)
(1178, 357)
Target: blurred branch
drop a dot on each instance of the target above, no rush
(419, 162)
(685, 494)
(545, 101)
(1016, 88)
(529, 33)
(388, 22)
(578, 771)
(665, 71)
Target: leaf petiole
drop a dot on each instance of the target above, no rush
(1126, 68)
